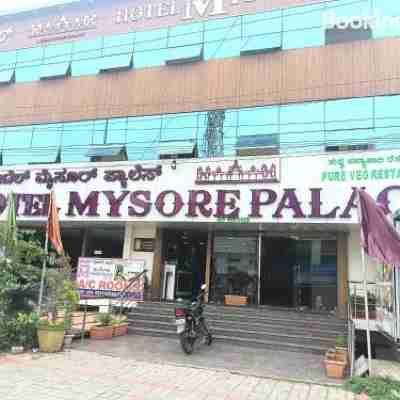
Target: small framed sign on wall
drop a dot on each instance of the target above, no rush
(144, 245)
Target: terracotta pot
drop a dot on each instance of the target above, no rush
(50, 341)
(120, 329)
(101, 332)
(235, 300)
(335, 364)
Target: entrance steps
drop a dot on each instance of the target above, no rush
(261, 327)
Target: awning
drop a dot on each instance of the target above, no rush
(105, 151)
(261, 141)
(52, 71)
(261, 44)
(176, 147)
(184, 54)
(115, 62)
(7, 76)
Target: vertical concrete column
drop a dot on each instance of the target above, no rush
(157, 266)
(342, 274)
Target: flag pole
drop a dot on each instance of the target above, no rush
(46, 243)
(365, 287)
(368, 331)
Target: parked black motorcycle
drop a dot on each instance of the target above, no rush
(190, 323)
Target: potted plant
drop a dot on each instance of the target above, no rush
(61, 297)
(341, 344)
(50, 335)
(120, 325)
(335, 364)
(71, 300)
(104, 328)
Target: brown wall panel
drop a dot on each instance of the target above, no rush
(337, 71)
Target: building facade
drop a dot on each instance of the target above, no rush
(239, 129)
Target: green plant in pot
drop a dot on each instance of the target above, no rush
(120, 324)
(104, 328)
(341, 343)
(60, 300)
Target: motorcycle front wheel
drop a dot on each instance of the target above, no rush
(187, 342)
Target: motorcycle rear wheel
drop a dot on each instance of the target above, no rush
(187, 343)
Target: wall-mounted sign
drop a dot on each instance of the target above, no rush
(5, 34)
(92, 19)
(144, 245)
(107, 278)
(297, 190)
(63, 24)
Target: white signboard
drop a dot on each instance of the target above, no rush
(107, 278)
(306, 189)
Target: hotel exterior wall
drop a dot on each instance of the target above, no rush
(358, 69)
(143, 231)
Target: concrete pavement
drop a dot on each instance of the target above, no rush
(78, 374)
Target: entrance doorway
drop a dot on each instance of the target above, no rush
(299, 273)
(188, 268)
(278, 257)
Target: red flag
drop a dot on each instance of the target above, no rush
(53, 226)
(378, 237)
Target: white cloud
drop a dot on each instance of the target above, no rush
(15, 6)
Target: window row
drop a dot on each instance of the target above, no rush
(296, 128)
(296, 27)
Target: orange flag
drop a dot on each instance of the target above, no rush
(53, 226)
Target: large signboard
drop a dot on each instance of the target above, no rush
(299, 189)
(89, 19)
(107, 278)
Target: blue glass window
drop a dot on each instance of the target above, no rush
(150, 48)
(262, 32)
(117, 52)
(222, 38)
(116, 130)
(47, 135)
(230, 129)
(29, 64)
(143, 135)
(74, 154)
(387, 138)
(387, 111)
(77, 133)
(302, 127)
(348, 8)
(179, 127)
(56, 61)
(258, 121)
(17, 137)
(303, 26)
(86, 57)
(8, 59)
(7, 76)
(388, 26)
(350, 137)
(99, 128)
(349, 114)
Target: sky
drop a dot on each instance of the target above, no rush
(13, 6)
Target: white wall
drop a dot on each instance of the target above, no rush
(139, 230)
(354, 259)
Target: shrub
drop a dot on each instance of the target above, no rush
(376, 388)
(341, 341)
(104, 319)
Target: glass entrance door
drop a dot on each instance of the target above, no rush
(235, 263)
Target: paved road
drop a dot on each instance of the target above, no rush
(82, 375)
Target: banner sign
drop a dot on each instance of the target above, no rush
(107, 278)
(293, 189)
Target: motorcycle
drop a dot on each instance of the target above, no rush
(190, 323)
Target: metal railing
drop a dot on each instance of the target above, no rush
(356, 296)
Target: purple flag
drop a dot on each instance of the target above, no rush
(378, 237)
